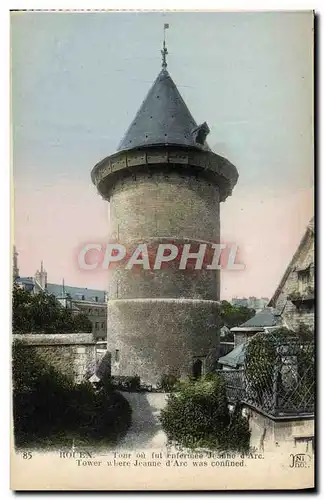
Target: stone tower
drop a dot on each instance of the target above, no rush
(41, 276)
(163, 184)
(15, 270)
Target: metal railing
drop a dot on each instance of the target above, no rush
(279, 381)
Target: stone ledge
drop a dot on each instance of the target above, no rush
(35, 339)
(217, 168)
(169, 300)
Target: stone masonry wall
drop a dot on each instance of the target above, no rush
(268, 434)
(156, 337)
(240, 338)
(73, 355)
(291, 314)
(159, 321)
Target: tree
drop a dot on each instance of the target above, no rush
(42, 313)
(234, 315)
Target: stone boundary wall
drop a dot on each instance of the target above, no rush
(268, 434)
(73, 354)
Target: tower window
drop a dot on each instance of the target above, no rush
(197, 369)
(83, 297)
(117, 355)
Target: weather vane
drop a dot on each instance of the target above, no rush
(164, 51)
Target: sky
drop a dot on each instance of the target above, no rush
(78, 80)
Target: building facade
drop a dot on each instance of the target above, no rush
(91, 302)
(256, 303)
(295, 295)
(164, 185)
(291, 306)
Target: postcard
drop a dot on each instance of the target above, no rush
(163, 271)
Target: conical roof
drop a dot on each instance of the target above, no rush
(163, 119)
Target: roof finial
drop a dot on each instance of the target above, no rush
(164, 51)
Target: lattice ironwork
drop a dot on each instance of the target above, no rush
(278, 375)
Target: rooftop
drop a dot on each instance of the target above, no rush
(234, 358)
(77, 293)
(164, 133)
(266, 317)
(164, 119)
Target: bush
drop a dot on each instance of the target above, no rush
(101, 414)
(127, 383)
(238, 436)
(48, 407)
(197, 415)
(167, 383)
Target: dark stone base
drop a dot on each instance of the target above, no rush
(161, 336)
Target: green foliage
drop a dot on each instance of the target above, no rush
(197, 415)
(41, 312)
(168, 383)
(127, 383)
(48, 406)
(234, 315)
(231, 316)
(238, 435)
(264, 361)
(303, 332)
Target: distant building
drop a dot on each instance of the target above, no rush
(252, 302)
(91, 302)
(240, 302)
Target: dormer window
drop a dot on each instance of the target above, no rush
(200, 133)
(303, 295)
(303, 279)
